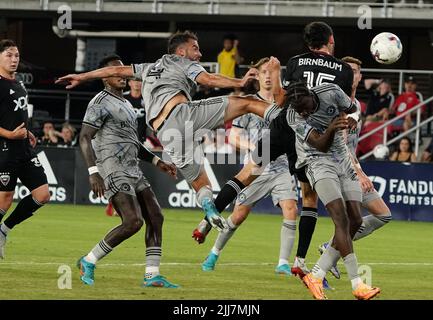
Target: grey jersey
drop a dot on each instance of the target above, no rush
(353, 135)
(115, 144)
(164, 79)
(255, 126)
(332, 101)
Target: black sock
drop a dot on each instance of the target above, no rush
(23, 211)
(228, 193)
(307, 224)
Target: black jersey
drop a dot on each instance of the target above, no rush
(316, 68)
(13, 112)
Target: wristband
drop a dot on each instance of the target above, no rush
(155, 160)
(93, 170)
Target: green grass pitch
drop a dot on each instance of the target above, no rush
(400, 257)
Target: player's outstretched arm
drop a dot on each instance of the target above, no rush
(214, 80)
(323, 142)
(279, 93)
(148, 156)
(106, 72)
(96, 182)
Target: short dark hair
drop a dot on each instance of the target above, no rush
(230, 36)
(178, 39)
(316, 34)
(6, 43)
(295, 92)
(107, 59)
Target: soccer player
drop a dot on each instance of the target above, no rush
(275, 180)
(168, 85)
(331, 175)
(314, 67)
(111, 149)
(17, 157)
(379, 213)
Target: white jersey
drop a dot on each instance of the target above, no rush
(332, 101)
(164, 79)
(353, 135)
(255, 125)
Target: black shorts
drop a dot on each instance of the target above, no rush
(281, 140)
(30, 172)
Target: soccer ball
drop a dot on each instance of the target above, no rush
(386, 48)
(380, 151)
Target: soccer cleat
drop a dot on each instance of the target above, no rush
(213, 216)
(209, 263)
(299, 268)
(87, 271)
(109, 209)
(199, 234)
(2, 244)
(326, 285)
(283, 269)
(334, 270)
(158, 281)
(365, 292)
(315, 286)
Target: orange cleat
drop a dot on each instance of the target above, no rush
(315, 286)
(109, 209)
(365, 292)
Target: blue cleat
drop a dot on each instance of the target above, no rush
(326, 285)
(334, 270)
(209, 262)
(87, 271)
(283, 269)
(213, 216)
(158, 281)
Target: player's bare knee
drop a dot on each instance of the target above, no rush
(132, 226)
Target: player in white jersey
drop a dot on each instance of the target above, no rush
(168, 86)
(331, 175)
(111, 149)
(379, 213)
(275, 180)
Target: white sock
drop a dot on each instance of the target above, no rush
(215, 250)
(282, 261)
(4, 228)
(355, 282)
(91, 258)
(151, 271)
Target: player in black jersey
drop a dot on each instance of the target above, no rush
(314, 67)
(17, 158)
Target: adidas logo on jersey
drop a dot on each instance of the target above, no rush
(187, 199)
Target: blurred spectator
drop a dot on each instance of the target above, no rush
(428, 152)
(49, 138)
(406, 101)
(134, 96)
(380, 101)
(404, 152)
(67, 136)
(229, 57)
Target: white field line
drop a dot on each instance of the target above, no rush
(33, 263)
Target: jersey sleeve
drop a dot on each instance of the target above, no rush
(242, 121)
(299, 125)
(288, 74)
(193, 69)
(342, 101)
(140, 70)
(347, 85)
(95, 116)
